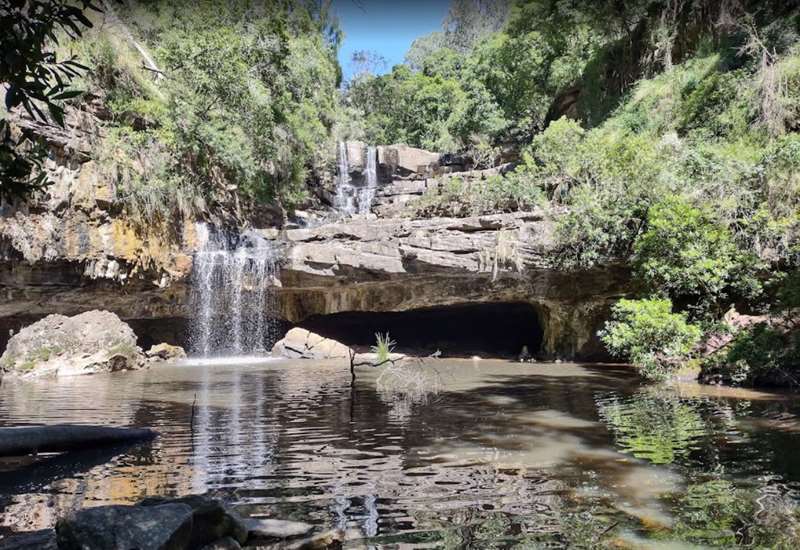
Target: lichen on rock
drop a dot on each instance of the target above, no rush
(91, 342)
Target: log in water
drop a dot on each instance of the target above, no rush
(65, 437)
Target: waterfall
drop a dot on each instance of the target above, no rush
(344, 201)
(233, 297)
(367, 194)
(350, 199)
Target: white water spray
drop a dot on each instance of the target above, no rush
(351, 199)
(233, 297)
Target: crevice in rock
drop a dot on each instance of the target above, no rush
(463, 330)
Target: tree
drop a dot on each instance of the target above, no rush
(34, 78)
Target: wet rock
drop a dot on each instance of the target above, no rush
(92, 342)
(165, 352)
(302, 344)
(323, 541)
(162, 527)
(266, 529)
(226, 543)
(33, 540)
(212, 520)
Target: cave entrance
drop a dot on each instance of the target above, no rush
(487, 330)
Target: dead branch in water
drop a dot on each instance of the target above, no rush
(65, 437)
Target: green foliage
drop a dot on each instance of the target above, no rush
(762, 355)
(686, 252)
(424, 109)
(456, 197)
(35, 78)
(384, 346)
(650, 335)
(246, 102)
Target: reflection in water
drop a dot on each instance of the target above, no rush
(502, 453)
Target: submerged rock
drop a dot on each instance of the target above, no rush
(300, 343)
(92, 342)
(262, 530)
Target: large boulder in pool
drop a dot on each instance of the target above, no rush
(92, 342)
(300, 343)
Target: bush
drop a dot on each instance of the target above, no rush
(688, 254)
(650, 335)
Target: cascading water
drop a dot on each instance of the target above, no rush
(344, 201)
(351, 199)
(367, 194)
(233, 295)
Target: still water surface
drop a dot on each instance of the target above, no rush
(502, 455)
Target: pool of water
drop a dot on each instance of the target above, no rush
(450, 454)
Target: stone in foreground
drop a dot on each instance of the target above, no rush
(300, 343)
(163, 527)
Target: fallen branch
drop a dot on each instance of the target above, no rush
(65, 437)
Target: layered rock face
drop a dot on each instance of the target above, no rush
(72, 249)
(400, 265)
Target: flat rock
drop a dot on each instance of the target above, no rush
(299, 343)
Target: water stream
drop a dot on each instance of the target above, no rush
(351, 199)
(501, 455)
(232, 294)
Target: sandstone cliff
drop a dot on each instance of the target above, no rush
(71, 249)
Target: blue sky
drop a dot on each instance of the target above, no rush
(386, 27)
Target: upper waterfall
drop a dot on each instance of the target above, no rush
(355, 197)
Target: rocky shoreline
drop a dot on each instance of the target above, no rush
(195, 522)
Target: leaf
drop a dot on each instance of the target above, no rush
(57, 113)
(13, 97)
(69, 94)
(82, 18)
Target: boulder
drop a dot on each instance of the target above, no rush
(405, 161)
(92, 342)
(212, 520)
(162, 527)
(165, 352)
(302, 344)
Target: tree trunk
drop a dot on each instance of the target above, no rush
(65, 437)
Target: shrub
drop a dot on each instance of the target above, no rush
(648, 333)
(687, 253)
(383, 347)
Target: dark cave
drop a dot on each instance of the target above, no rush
(487, 329)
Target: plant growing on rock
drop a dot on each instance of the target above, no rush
(383, 347)
(648, 333)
